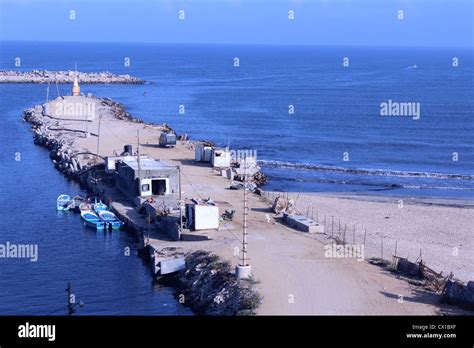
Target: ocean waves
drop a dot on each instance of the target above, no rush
(364, 171)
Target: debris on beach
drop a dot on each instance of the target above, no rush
(432, 280)
(250, 186)
(283, 205)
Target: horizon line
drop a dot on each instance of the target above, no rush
(235, 44)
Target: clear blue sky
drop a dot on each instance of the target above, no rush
(440, 23)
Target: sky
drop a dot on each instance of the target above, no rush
(432, 23)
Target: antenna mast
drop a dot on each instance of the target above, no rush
(245, 218)
(138, 153)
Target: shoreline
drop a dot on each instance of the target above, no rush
(413, 200)
(276, 249)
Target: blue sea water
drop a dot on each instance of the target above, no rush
(103, 276)
(336, 108)
(336, 113)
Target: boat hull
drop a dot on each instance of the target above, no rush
(64, 203)
(92, 220)
(110, 219)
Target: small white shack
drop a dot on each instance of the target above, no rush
(221, 158)
(201, 216)
(203, 153)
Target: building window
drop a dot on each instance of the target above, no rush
(145, 187)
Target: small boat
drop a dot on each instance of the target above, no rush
(77, 201)
(92, 220)
(84, 206)
(110, 219)
(64, 202)
(90, 203)
(99, 206)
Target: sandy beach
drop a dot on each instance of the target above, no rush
(438, 231)
(293, 274)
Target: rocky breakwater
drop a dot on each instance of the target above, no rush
(208, 287)
(51, 133)
(45, 76)
(66, 156)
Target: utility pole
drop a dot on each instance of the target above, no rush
(245, 220)
(70, 304)
(86, 119)
(138, 153)
(47, 93)
(180, 203)
(243, 270)
(139, 164)
(98, 135)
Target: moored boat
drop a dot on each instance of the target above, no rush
(99, 206)
(110, 219)
(91, 203)
(64, 202)
(92, 220)
(77, 201)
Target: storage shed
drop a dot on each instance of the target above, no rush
(146, 178)
(201, 216)
(221, 158)
(202, 153)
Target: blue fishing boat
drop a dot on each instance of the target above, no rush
(92, 220)
(110, 219)
(99, 206)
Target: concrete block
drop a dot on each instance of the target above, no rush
(302, 223)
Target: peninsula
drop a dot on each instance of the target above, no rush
(290, 268)
(46, 76)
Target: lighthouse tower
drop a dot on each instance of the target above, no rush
(76, 90)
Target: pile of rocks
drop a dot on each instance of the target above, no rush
(118, 110)
(210, 288)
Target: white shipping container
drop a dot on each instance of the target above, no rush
(198, 153)
(206, 217)
(202, 217)
(203, 153)
(207, 156)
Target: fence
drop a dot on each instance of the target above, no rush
(344, 232)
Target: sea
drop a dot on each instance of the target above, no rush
(314, 116)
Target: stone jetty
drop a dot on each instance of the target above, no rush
(50, 131)
(69, 127)
(45, 76)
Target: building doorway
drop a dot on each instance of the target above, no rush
(158, 187)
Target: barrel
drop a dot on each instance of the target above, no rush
(127, 150)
